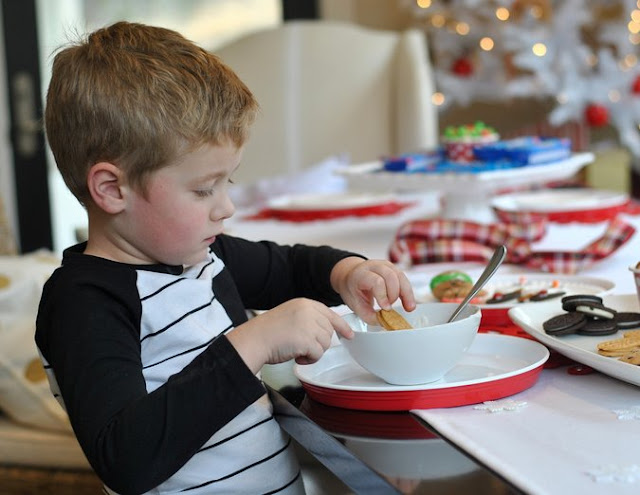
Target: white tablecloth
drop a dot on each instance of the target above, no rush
(568, 438)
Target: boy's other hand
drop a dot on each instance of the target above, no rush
(300, 329)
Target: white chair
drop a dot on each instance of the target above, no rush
(328, 88)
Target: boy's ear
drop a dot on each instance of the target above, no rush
(106, 183)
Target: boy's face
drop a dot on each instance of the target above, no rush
(184, 207)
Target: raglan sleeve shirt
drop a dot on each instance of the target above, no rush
(88, 332)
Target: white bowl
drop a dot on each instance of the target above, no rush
(422, 354)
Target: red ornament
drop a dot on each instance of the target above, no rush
(596, 115)
(635, 88)
(462, 67)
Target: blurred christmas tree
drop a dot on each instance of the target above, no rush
(580, 54)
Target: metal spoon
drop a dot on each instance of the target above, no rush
(495, 261)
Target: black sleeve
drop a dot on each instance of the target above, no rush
(268, 274)
(133, 439)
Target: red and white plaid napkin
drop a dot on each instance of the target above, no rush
(431, 241)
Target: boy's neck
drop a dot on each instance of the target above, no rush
(104, 242)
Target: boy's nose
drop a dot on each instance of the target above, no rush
(225, 210)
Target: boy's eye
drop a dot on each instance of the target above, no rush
(203, 193)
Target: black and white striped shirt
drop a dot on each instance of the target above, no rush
(159, 399)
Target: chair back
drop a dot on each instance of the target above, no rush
(328, 88)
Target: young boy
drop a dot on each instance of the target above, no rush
(143, 329)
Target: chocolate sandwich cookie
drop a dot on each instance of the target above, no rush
(564, 324)
(598, 327)
(596, 310)
(627, 319)
(569, 303)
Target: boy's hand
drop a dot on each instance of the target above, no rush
(360, 282)
(299, 329)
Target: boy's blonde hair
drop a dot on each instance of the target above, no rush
(139, 96)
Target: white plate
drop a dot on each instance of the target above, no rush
(559, 200)
(580, 348)
(490, 358)
(338, 201)
(530, 283)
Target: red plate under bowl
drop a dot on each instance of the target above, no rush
(495, 366)
(405, 401)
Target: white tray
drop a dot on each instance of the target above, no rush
(580, 348)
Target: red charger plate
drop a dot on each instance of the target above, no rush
(390, 208)
(495, 366)
(310, 207)
(395, 425)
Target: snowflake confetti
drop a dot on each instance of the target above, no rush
(494, 406)
(627, 414)
(613, 473)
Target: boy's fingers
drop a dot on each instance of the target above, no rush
(406, 293)
(340, 326)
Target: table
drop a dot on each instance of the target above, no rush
(573, 435)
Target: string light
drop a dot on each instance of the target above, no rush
(633, 27)
(437, 99)
(537, 12)
(462, 28)
(614, 95)
(628, 61)
(539, 49)
(502, 13)
(424, 4)
(486, 44)
(631, 59)
(438, 20)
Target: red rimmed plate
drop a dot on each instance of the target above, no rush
(310, 207)
(582, 205)
(397, 425)
(496, 315)
(495, 366)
